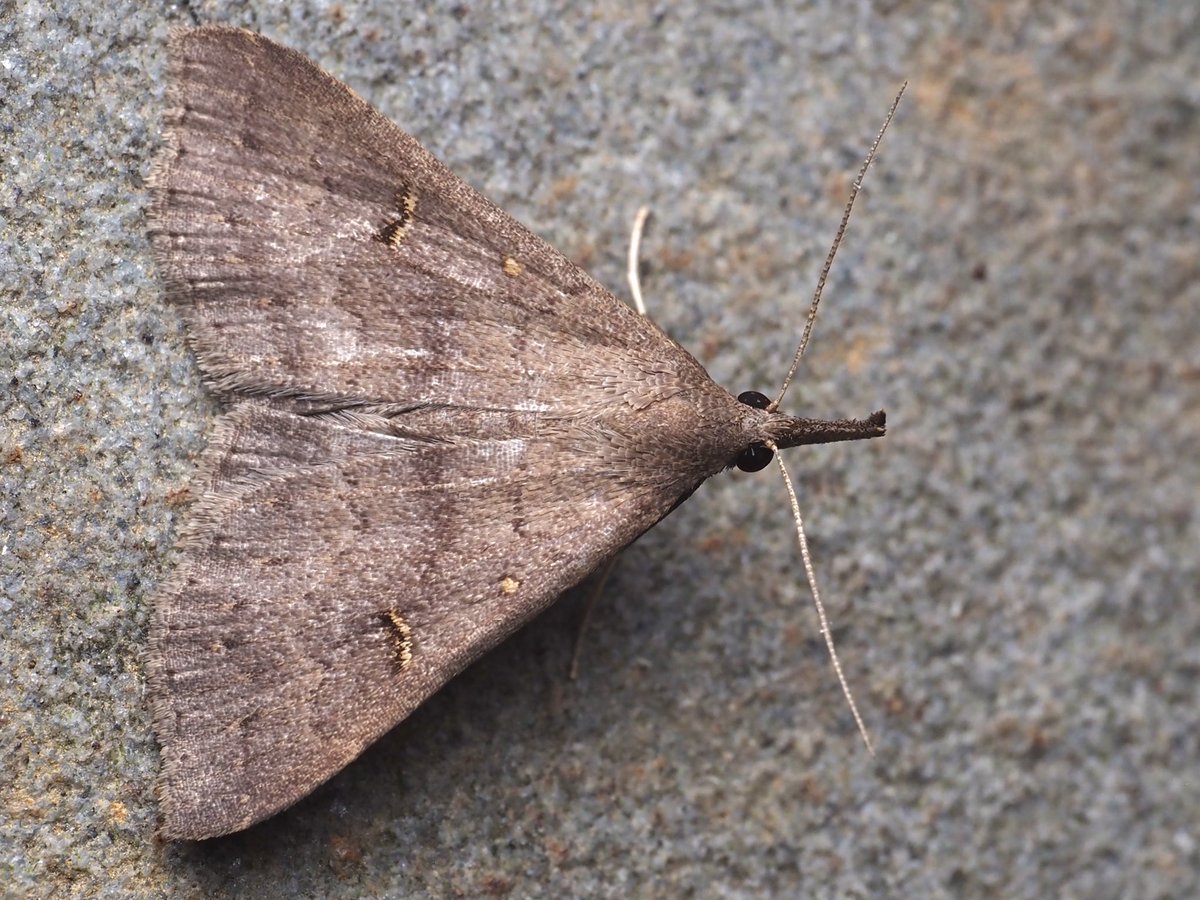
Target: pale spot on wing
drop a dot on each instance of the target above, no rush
(401, 637)
(396, 228)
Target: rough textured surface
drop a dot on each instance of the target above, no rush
(1013, 571)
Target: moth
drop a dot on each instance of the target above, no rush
(436, 425)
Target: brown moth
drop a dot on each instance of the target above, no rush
(437, 424)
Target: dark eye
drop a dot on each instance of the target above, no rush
(757, 457)
(754, 458)
(753, 398)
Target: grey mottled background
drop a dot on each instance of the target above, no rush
(1013, 571)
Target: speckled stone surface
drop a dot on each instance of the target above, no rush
(1013, 572)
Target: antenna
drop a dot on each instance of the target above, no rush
(837, 240)
(811, 575)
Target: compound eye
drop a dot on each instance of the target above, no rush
(755, 458)
(754, 398)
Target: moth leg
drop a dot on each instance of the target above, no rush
(587, 613)
(635, 243)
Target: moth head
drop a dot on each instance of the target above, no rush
(757, 456)
(774, 430)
